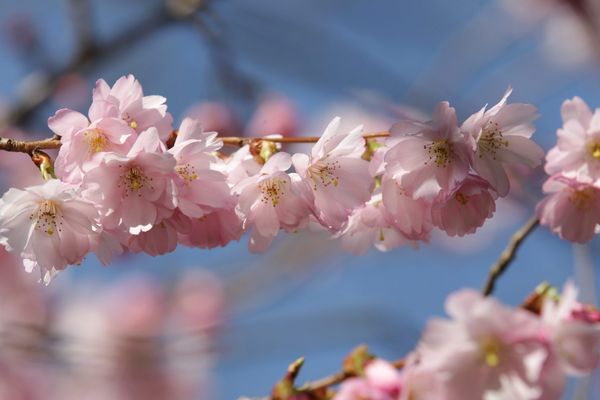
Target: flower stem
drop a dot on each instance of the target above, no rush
(508, 255)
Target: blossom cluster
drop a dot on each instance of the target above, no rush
(572, 205)
(490, 351)
(128, 181)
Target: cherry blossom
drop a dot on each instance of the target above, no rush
(84, 142)
(269, 201)
(368, 225)
(431, 156)
(337, 180)
(135, 191)
(381, 382)
(50, 226)
(200, 187)
(570, 209)
(577, 152)
(464, 209)
(503, 137)
(126, 100)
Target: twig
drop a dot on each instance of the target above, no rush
(337, 378)
(508, 255)
(23, 146)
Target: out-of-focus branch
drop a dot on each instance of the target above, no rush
(22, 146)
(508, 255)
(84, 60)
(83, 25)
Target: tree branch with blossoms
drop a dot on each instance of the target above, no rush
(125, 179)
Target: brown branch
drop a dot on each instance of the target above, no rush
(508, 255)
(23, 146)
(337, 378)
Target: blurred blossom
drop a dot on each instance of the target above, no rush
(71, 91)
(21, 33)
(567, 41)
(276, 114)
(215, 116)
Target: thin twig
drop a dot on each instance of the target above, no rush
(23, 146)
(508, 255)
(337, 378)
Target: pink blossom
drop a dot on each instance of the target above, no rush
(126, 100)
(410, 216)
(381, 382)
(503, 137)
(466, 208)
(370, 225)
(84, 142)
(336, 179)
(200, 188)
(49, 225)
(575, 340)
(481, 345)
(216, 229)
(430, 156)
(162, 238)
(570, 209)
(577, 152)
(134, 191)
(269, 201)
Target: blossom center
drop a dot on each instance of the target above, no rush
(272, 190)
(490, 351)
(45, 216)
(461, 198)
(581, 198)
(594, 149)
(96, 140)
(187, 172)
(134, 180)
(491, 140)
(440, 152)
(132, 122)
(324, 172)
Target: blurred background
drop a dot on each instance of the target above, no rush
(220, 324)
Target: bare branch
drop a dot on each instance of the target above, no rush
(508, 255)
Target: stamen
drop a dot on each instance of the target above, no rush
(594, 149)
(461, 198)
(47, 218)
(134, 180)
(187, 172)
(272, 190)
(96, 140)
(440, 151)
(324, 172)
(490, 350)
(491, 140)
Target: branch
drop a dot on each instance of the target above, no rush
(337, 378)
(23, 146)
(508, 255)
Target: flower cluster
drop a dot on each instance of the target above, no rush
(489, 351)
(572, 205)
(127, 180)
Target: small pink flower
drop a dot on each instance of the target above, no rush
(162, 238)
(430, 156)
(570, 209)
(381, 382)
(370, 225)
(577, 152)
(503, 137)
(483, 344)
(49, 225)
(269, 201)
(575, 340)
(200, 187)
(126, 101)
(216, 229)
(412, 217)
(135, 191)
(466, 208)
(336, 179)
(84, 142)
